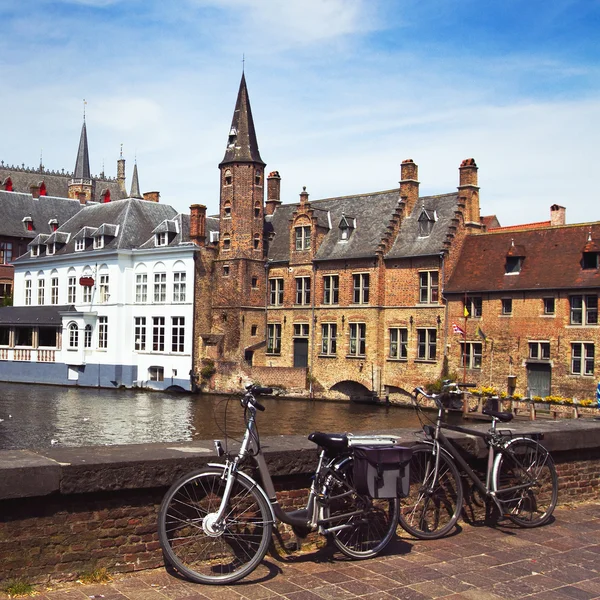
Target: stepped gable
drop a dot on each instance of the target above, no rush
(372, 213)
(56, 182)
(15, 206)
(408, 242)
(552, 260)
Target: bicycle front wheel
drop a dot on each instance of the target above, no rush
(435, 496)
(199, 547)
(525, 482)
(362, 526)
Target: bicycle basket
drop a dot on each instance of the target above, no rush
(452, 400)
(382, 472)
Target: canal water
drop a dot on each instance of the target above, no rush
(36, 417)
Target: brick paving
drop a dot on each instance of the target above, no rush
(556, 562)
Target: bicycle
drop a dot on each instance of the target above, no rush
(520, 479)
(215, 523)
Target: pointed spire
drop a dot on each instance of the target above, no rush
(82, 165)
(135, 184)
(242, 145)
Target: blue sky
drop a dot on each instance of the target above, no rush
(342, 91)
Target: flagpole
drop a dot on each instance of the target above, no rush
(466, 314)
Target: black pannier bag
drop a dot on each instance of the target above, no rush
(382, 471)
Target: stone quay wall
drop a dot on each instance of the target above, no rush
(68, 511)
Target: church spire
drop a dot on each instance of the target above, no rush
(82, 164)
(135, 184)
(242, 145)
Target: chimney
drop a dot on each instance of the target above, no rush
(273, 192)
(198, 224)
(303, 197)
(558, 215)
(409, 185)
(35, 190)
(151, 196)
(468, 191)
(121, 172)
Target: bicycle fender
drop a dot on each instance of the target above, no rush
(249, 480)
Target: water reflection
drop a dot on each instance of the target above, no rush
(37, 417)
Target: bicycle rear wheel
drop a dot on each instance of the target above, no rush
(525, 482)
(367, 532)
(196, 545)
(434, 500)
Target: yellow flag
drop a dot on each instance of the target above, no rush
(466, 312)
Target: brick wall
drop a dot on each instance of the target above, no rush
(61, 536)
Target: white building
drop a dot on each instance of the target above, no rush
(105, 300)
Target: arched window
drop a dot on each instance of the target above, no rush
(160, 283)
(227, 210)
(228, 177)
(257, 209)
(226, 242)
(73, 335)
(141, 284)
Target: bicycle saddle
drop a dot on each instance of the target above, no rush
(333, 441)
(505, 417)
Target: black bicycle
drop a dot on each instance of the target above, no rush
(520, 478)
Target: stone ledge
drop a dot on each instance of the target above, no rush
(25, 473)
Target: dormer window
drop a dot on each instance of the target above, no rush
(8, 185)
(347, 226)
(28, 222)
(227, 210)
(99, 242)
(35, 250)
(53, 224)
(50, 249)
(43, 189)
(426, 221)
(162, 239)
(232, 137)
(228, 177)
(591, 252)
(79, 245)
(302, 238)
(514, 259)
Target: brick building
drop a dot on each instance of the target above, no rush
(340, 295)
(531, 294)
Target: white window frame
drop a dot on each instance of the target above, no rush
(104, 288)
(87, 294)
(139, 334)
(99, 242)
(71, 289)
(102, 333)
(539, 350)
(80, 245)
(162, 238)
(54, 290)
(73, 336)
(141, 288)
(28, 288)
(178, 334)
(41, 291)
(158, 334)
(583, 358)
(160, 287)
(179, 286)
(87, 336)
(156, 373)
(358, 339)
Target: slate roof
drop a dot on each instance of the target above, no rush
(552, 260)
(242, 145)
(371, 214)
(136, 219)
(14, 207)
(135, 184)
(82, 163)
(57, 183)
(33, 315)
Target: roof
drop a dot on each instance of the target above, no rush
(242, 145)
(551, 260)
(537, 225)
(15, 206)
(371, 215)
(57, 182)
(82, 163)
(131, 221)
(33, 315)
(135, 184)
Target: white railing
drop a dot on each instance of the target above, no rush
(28, 354)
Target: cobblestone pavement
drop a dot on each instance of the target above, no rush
(559, 561)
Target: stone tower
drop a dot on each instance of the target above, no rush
(239, 282)
(81, 186)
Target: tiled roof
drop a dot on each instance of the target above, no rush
(14, 207)
(82, 164)
(537, 225)
(372, 214)
(551, 260)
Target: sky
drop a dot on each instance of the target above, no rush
(341, 92)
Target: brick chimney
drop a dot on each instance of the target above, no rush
(468, 192)
(198, 224)
(558, 215)
(409, 185)
(35, 190)
(151, 196)
(303, 197)
(273, 192)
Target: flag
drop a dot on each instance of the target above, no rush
(457, 329)
(466, 312)
(479, 332)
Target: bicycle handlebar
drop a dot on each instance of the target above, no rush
(256, 390)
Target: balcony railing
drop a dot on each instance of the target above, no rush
(28, 354)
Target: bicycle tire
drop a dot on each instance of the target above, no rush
(210, 557)
(372, 530)
(431, 514)
(525, 461)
